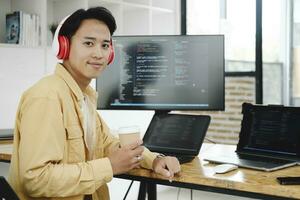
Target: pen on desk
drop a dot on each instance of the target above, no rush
(170, 177)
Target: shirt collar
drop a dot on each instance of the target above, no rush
(66, 76)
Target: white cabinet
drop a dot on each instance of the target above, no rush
(37, 7)
(133, 17)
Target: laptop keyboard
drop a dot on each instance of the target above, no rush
(262, 162)
(262, 159)
(181, 158)
(252, 161)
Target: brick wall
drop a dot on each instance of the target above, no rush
(225, 125)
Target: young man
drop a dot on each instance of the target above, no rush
(62, 148)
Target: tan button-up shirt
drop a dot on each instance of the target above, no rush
(50, 158)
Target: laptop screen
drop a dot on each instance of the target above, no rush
(175, 133)
(273, 130)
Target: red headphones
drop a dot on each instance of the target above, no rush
(61, 45)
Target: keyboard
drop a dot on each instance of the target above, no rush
(181, 158)
(261, 162)
(253, 162)
(262, 159)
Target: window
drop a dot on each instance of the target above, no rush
(233, 18)
(237, 21)
(274, 37)
(296, 53)
(280, 42)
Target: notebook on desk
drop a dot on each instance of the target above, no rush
(177, 135)
(269, 138)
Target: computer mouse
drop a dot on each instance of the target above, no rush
(224, 168)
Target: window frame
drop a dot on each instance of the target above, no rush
(258, 73)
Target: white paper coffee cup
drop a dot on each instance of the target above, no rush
(129, 134)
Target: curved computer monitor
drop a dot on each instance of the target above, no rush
(178, 72)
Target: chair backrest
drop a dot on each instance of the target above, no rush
(6, 192)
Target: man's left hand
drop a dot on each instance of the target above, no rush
(166, 166)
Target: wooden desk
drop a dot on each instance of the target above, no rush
(199, 175)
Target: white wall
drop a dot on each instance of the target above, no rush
(4, 169)
(14, 79)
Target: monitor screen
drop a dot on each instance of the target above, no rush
(182, 72)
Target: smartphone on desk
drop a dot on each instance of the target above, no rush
(289, 180)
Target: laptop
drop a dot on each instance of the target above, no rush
(6, 192)
(176, 135)
(269, 138)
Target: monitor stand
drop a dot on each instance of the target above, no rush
(159, 112)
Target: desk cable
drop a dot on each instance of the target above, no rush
(178, 192)
(210, 140)
(124, 198)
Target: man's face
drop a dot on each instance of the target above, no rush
(89, 51)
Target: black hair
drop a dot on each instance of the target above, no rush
(73, 22)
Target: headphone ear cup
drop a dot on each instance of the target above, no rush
(60, 44)
(111, 54)
(64, 47)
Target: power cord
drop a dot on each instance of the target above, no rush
(128, 190)
(210, 140)
(178, 192)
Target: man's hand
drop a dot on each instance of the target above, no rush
(166, 166)
(126, 158)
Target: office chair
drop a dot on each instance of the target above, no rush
(6, 192)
